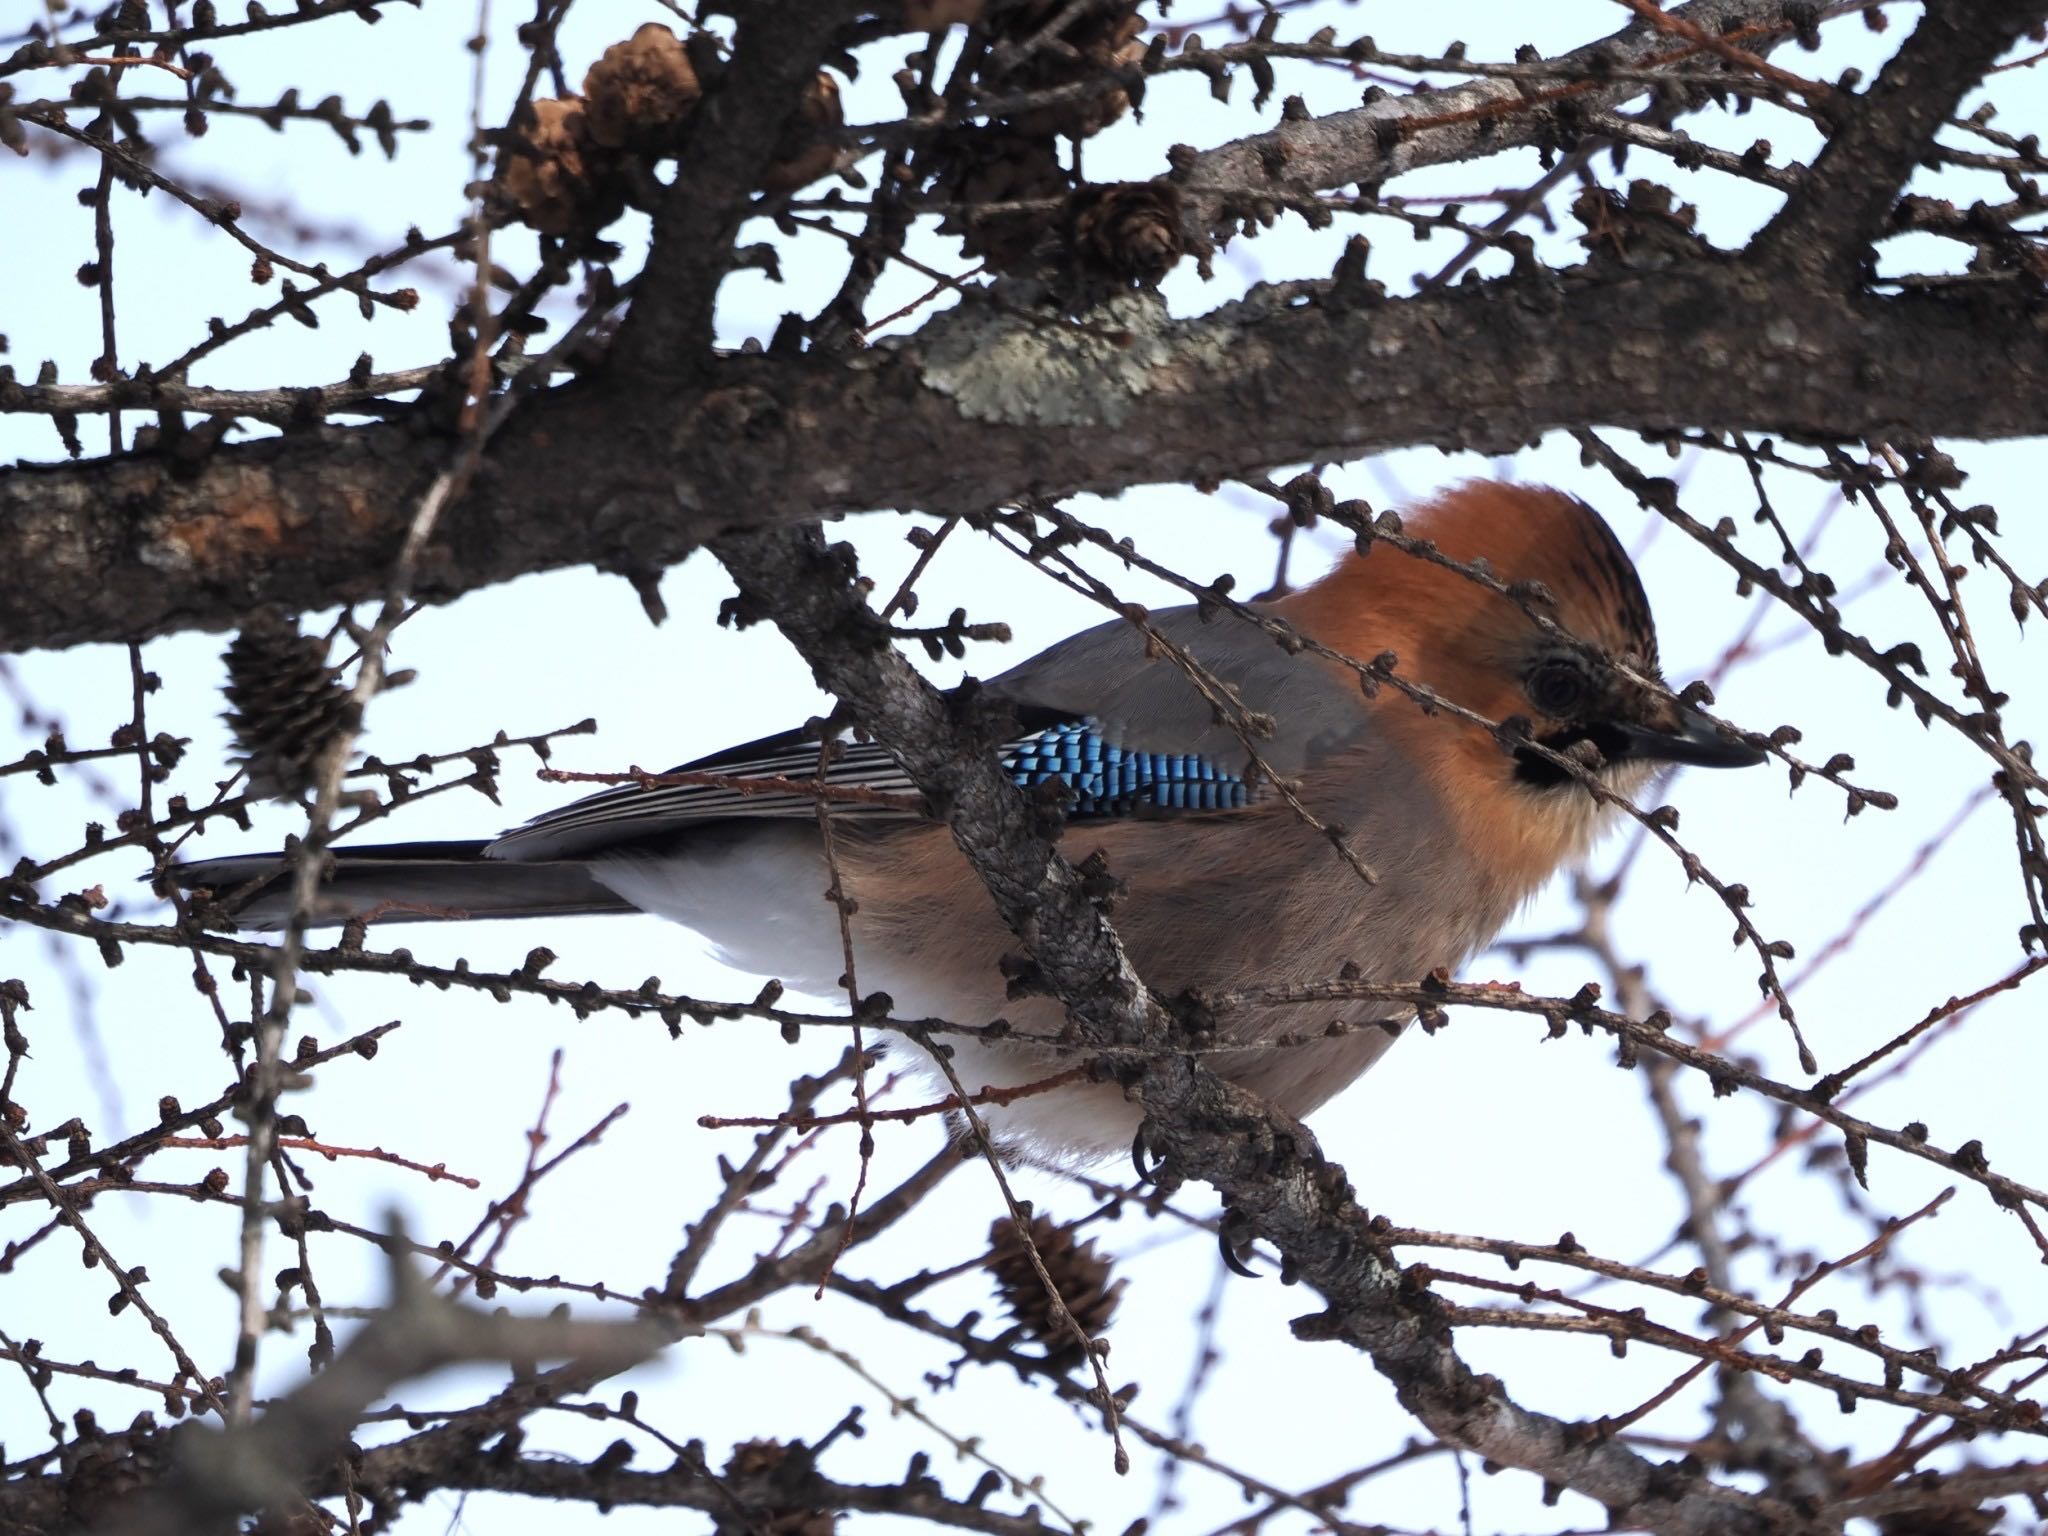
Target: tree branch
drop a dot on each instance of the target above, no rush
(987, 403)
(1849, 191)
(787, 1490)
(269, 1463)
(732, 140)
(792, 576)
(1403, 132)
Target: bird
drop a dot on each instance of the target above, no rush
(1222, 883)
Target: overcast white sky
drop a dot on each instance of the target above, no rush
(1549, 1137)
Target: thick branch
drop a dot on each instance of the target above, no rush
(289, 1451)
(733, 137)
(987, 403)
(1402, 132)
(1826, 226)
(269, 1463)
(777, 1499)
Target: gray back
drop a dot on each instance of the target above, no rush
(1148, 703)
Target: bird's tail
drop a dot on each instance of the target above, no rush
(400, 883)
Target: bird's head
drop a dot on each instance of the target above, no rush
(1593, 693)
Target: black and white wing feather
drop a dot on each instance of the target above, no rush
(742, 783)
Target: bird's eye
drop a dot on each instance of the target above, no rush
(1558, 687)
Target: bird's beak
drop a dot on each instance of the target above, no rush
(1689, 738)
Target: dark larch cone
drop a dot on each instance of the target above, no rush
(1646, 227)
(806, 149)
(1092, 45)
(766, 1482)
(983, 166)
(1131, 229)
(106, 1472)
(641, 92)
(1081, 1274)
(285, 704)
(557, 177)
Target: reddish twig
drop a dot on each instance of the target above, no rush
(1678, 26)
(129, 61)
(435, 1172)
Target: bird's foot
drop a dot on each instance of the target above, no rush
(1146, 1157)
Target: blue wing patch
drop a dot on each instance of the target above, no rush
(1108, 781)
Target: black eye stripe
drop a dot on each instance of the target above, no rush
(1542, 773)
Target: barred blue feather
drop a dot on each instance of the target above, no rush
(1108, 781)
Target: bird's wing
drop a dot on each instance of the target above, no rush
(1126, 735)
(1145, 702)
(735, 784)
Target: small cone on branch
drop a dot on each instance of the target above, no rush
(782, 1468)
(808, 144)
(1645, 227)
(1131, 229)
(984, 166)
(758, 1458)
(558, 177)
(1103, 37)
(570, 165)
(1081, 1275)
(285, 704)
(640, 93)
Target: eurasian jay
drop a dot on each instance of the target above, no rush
(1225, 884)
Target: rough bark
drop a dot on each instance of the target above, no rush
(988, 403)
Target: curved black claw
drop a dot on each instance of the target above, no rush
(1145, 1158)
(1234, 1245)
